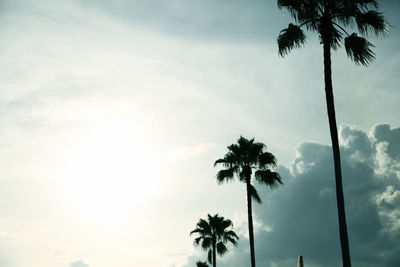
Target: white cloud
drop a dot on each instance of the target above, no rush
(189, 151)
(154, 60)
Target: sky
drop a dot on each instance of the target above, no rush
(112, 114)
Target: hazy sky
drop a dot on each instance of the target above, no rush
(113, 112)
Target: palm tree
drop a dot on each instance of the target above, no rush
(240, 160)
(201, 264)
(213, 235)
(329, 18)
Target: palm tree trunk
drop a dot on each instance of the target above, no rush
(214, 260)
(344, 242)
(250, 219)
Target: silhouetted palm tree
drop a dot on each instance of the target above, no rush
(329, 18)
(240, 160)
(213, 234)
(201, 264)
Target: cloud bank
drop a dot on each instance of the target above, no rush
(301, 217)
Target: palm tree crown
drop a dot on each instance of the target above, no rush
(244, 157)
(213, 234)
(329, 18)
(241, 160)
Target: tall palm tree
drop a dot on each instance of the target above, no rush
(240, 160)
(329, 18)
(213, 234)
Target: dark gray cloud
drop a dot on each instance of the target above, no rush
(238, 20)
(302, 214)
(78, 264)
(235, 20)
(224, 19)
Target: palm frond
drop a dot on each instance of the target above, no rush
(231, 233)
(292, 37)
(337, 38)
(231, 236)
(345, 11)
(201, 264)
(266, 159)
(209, 256)
(203, 226)
(206, 244)
(202, 229)
(220, 161)
(355, 4)
(234, 152)
(294, 7)
(230, 159)
(359, 49)
(194, 231)
(301, 10)
(226, 175)
(270, 178)
(232, 240)
(221, 248)
(199, 231)
(223, 224)
(371, 21)
(312, 24)
(366, 3)
(197, 240)
(253, 193)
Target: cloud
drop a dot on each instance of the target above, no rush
(78, 264)
(189, 151)
(205, 19)
(154, 60)
(301, 215)
(173, 254)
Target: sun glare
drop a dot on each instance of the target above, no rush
(111, 172)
